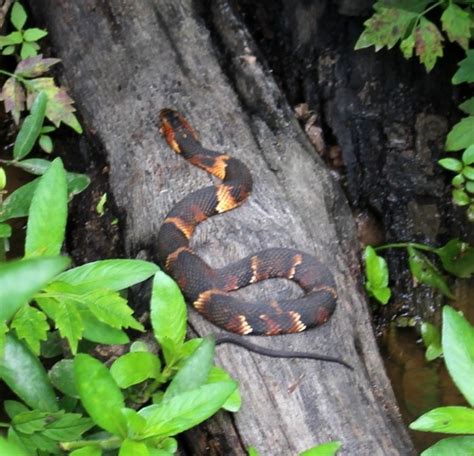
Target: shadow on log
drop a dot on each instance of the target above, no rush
(124, 60)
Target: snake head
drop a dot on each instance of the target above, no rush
(174, 127)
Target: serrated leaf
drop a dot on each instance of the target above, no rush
(34, 34)
(458, 349)
(133, 368)
(48, 213)
(425, 272)
(28, 50)
(461, 135)
(385, 28)
(30, 421)
(13, 97)
(428, 43)
(33, 67)
(457, 24)
(67, 427)
(467, 106)
(18, 15)
(407, 45)
(22, 371)
(114, 275)
(33, 274)
(100, 395)
(31, 127)
(67, 320)
(465, 71)
(454, 446)
(31, 325)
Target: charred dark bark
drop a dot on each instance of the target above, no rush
(124, 60)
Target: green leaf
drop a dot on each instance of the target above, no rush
(470, 187)
(465, 72)
(133, 368)
(18, 16)
(21, 370)
(468, 155)
(18, 203)
(9, 50)
(13, 408)
(168, 311)
(10, 448)
(100, 395)
(62, 377)
(452, 164)
(385, 28)
(460, 197)
(31, 127)
(458, 349)
(325, 449)
(458, 180)
(407, 45)
(48, 213)
(13, 97)
(5, 230)
(186, 410)
(46, 143)
(425, 272)
(428, 43)
(28, 50)
(87, 451)
(468, 171)
(30, 325)
(467, 106)
(32, 274)
(96, 331)
(252, 451)
(3, 179)
(34, 34)
(135, 422)
(100, 208)
(461, 135)
(111, 274)
(233, 403)
(132, 448)
(454, 446)
(195, 370)
(457, 24)
(11, 39)
(376, 272)
(448, 420)
(432, 339)
(457, 258)
(33, 67)
(67, 319)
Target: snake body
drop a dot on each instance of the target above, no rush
(209, 289)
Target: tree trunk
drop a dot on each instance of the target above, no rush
(123, 61)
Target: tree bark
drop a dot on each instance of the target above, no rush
(123, 61)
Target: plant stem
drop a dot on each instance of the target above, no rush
(5, 425)
(404, 245)
(19, 78)
(106, 444)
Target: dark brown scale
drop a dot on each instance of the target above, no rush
(208, 289)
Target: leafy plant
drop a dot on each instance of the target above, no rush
(325, 449)
(458, 349)
(405, 22)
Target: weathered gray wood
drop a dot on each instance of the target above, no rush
(124, 60)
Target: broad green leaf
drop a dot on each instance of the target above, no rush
(448, 420)
(96, 331)
(48, 213)
(233, 403)
(9, 50)
(467, 106)
(62, 377)
(13, 97)
(465, 72)
(13, 408)
(461, 135)
(468, 172)
(425, 272)
(186, 410)
(111, 274)
(468, 155)
(18, 15)
(34, 34)
(432, 340)
(458, 349)
(454, 446)
(195, 370)
(28, 50)
(87, 451)
(385, 28)
(457, 24)
(457, 258)
(33, 67)
(10, 448)
(30, 325)
(458, 180)
(460, 197)
(325, 449)
(376, 272)
(452, 164)
(135, 422)
(133, 368)
(168, 310)
(132, 448)
(5, 230)
(31, 127)
(21, 370)
(46, 143)
(32, 274)
(11, 39)
(428, 41)
(100, 395)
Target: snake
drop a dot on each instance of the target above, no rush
(208, 289)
